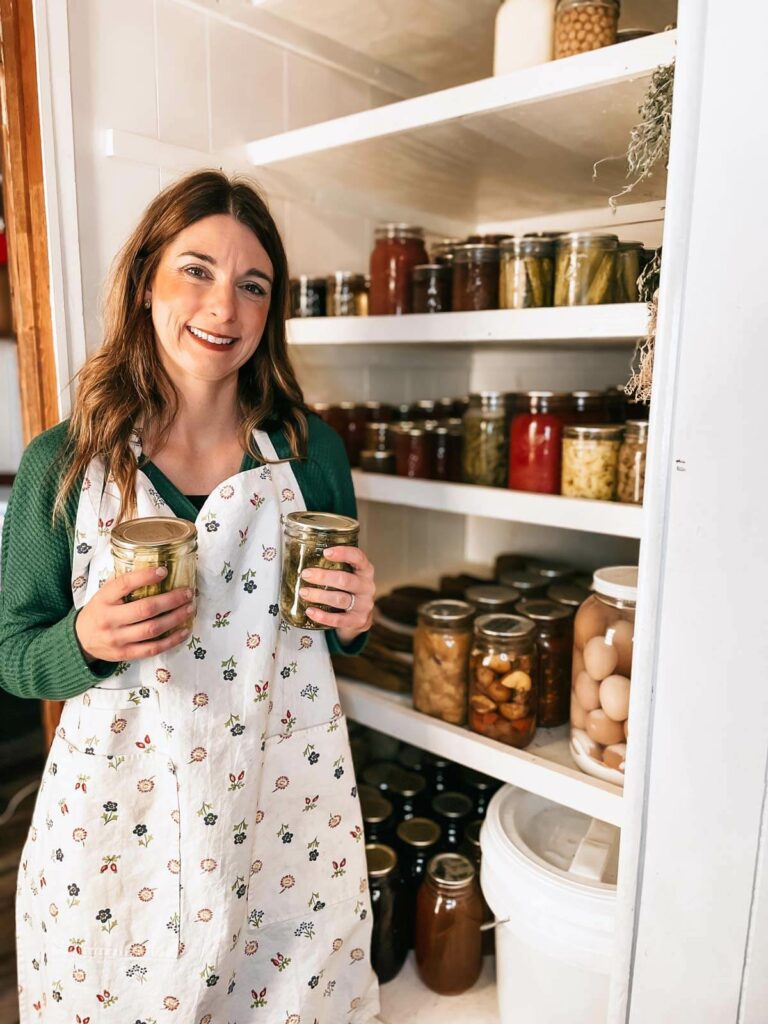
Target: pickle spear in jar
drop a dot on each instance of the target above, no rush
(306, 536)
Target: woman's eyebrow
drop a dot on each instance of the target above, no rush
(253, 272)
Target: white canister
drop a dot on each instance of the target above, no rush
(524, 34)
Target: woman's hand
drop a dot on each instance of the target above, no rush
(109, 629)
(352, 593)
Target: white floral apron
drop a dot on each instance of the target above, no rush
(196, 854)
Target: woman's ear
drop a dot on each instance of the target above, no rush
(147, 300)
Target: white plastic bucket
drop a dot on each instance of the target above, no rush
(548, 874)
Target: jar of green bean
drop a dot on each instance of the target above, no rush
(306, 535)
(527, 273)
(484, 449)
(585, 269)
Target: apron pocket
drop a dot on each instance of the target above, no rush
(103, 856)
(308, 849)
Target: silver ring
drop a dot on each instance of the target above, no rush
(351, 604)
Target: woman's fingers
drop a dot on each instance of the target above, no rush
(117, 589)
(126, 614)
(355, 557)
(150, 628)
(150, 649)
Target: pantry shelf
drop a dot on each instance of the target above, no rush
(545, 767)
(605, 517)
(620, 324)
(503, 148)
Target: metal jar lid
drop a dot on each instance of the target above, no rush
(395, 230)
(549, 570)
(452, 805)
(544, 611)
(577, 238)
(381, 859)
(504, 627)
(451, 869)
(522, 580)
(593, 432)
(312, 524)
(349, 277)
(152, 532)
(423, 271)
(375, 809)
(488, 597)
(407, 784)
(479, 253)
(527, 245)
(447, 612)
(419, 832)
(487, 400)
(381, 774)
(636, 430)
(568, 594)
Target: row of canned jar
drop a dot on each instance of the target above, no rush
(481, 272)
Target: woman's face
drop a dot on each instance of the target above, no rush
(210, 298)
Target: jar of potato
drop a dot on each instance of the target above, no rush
(603, 637)
(632, 462)
(591, 461)
(440, 655)
(582, 25)
(503, 689)
(585, 268)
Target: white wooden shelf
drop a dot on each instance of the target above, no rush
(622, 323)
(607, 517)
(545, 767)
(502, 148)
(406, 999)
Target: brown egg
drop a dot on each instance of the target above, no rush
(587, 692)
(578, 714)
(591, 620)
(620, 635)
(577, 665)
(615, 755)
(603, 729)
(600, 658)
(614, 697)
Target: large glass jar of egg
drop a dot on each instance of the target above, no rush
(603, 634)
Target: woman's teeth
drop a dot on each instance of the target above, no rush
(210, 338)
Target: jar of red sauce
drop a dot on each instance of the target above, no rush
(535, 442)
(397, 250)
(414, 452)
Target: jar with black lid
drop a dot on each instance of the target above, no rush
(452, 811)
(586, 407)
(484, 452)
(508, 561)
(431, 288)
(423, 409)
(585, 268)
(444, 410)
(554, 643)
(378, 816)
(391, 925)
(528, 584)
(475, 277)
(479, 788)
(418, 839)
(408, 792)
(347, 294)
(308, 296)
(567, 593)
(489, 597)
(527, 273)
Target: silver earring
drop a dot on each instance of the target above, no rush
(147, 304)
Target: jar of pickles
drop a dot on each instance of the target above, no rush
(398, 249)
(535, 442)
(631, 482)
(527, 273)
(431, 288)
(475, 277)
(308, 296)
(440, 655)
(590, 462)
(554, 642)
(629, 263)
(484, 452)
(503, 679)
(582, 25)
(347, 294)
(391, 923)
(603, 639)
(306, 535)
(585, 268)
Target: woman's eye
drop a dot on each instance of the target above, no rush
(254, 289)
(196, 271)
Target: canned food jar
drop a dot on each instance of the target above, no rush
(554, 643)
(378, 412)
(347, 294)
(377, 436)
(452, 811)
(333, 415)
(583, 25)
(568, 594)
(527, 273)
(629, 263)
(378, 815)
(417, 843)
(484, 451)
(441, 251)
(397, 250)
(587, 407)
(306, 535)
(487, 598)
(440, 657)
(308, 296)
(156, 541)
(355, 418)
(378, 462)
(431, 288)
(535, 442)
(528, 584)
(454, 451)
(414, 451)
(391, 923)
(550, 571)
(585, 269)
(475, 277)
(503, 679)
(603, 641)
(591, 461)
(479, 788)
(632, 454)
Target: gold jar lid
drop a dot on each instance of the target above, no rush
(503, 627)
(310, 524)
(419, 832)
(152, 532)
(381, 859)
(451, 869)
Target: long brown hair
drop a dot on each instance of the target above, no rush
(124, 383)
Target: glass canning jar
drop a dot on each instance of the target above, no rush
(590, 462)
(585, 268)
(306, 535)
(535, 442)
(378, 412)
(390, 932)
(408, 792)
(449, 912)
(586, 407)
(554, 643)
(308, 296)
(155, 541)
(397, 250)
(347, 294)
(452, 811)
(472, 850)
(488, 597)
(479, 788)
(528, 584)
(441, 251)
(440, 656)
(333, 415)
(475, 277)
(582, 25)
(632, 454)
(378, 815)
(603, 641)
(377, 437)
(353, 432)
(484, 451)
(629, 263)
(418, 841)
(378, 462)
(431, 288)
(503, 679)
(527, 273)
(454, 447)
(414, 451)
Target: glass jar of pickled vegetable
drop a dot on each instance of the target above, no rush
(431, 288)
(440, 655)
(475, 277)
(398, 249)
(603, 640)
(527, 273)
(484, 452)
(582, 25)
(503, 679)
(306, 535)
(308, 296)
(591, 461)
(417, 842)
(629, 263)
(347, 294)
(586, 407)
(391, 923)
(156, 541)
(554, 642)
(585, 269)
(535, 442)
(631, 482)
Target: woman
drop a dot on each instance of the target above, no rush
(196, 852)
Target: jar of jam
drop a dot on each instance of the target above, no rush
(398, 249)
(535, 442)
(527, 273)
(377, 437)
(449, 912)
(354, 430)
(333, 415)
(414, 452)
(629, 263)
(391, 924)
(408, 792)
(475, 277)
(488, 597)
(632, 454)
(452, 811)
(484, 454)
(347, 294)
(308, 296)
(306, 535)
(431, 288)
(378, 412)
(418, 841)
(440, 655)
(378, 815)
(585, 268)
(503, 678)
(586, 407)
(528, 584)
(454, 451)
(554, 643)
(441, 251)
(378, 462)
(479, 788)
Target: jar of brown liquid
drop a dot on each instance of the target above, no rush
(476, 277)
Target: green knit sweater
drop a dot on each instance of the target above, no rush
(39, 653)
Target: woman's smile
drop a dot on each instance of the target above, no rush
(214, 342)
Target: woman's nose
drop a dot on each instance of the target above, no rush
(222, 302)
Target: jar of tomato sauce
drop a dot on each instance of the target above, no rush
(398, 249)
(535, 442)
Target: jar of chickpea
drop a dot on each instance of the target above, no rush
(582, 25)
(503, 688)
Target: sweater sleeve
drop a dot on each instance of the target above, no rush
(40, 656)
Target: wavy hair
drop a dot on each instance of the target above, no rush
(124, 384)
